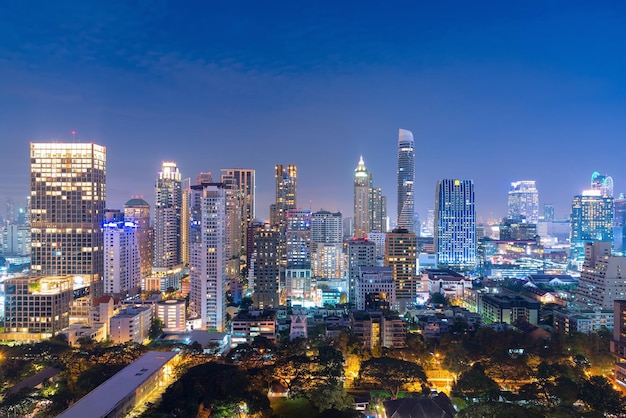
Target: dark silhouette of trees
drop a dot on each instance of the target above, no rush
(391, 374)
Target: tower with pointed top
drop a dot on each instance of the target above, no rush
(361, 200)
(406, 178)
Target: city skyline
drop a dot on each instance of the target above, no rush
(157, 82)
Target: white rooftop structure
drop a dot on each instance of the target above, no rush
(116, 396)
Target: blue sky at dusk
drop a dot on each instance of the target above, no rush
(492, 91)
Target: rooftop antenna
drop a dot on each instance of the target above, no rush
(73, 136)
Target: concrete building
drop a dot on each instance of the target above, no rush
(298, 327)
(172, 313)
(446, 282)
(591, 221)
(264, 272)
(375, 284)
(207, 297)
(584, 321)
(243, 181)
(247, 325)
(67, 203)
(167, 249)
(298, 255)
(36, 308)
(130, 387)
(137, 210)
(361, 253)
(374, 329)
(603, 277)
(286, 187)
(326, 244)
(507, 308)
(16, 240)
(122, 263)
(524, 201)
(131, 324)
(618, 344)
(362, 188)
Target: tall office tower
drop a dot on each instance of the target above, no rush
(361, 253)
(401, 255)
(207, 264)
(524, 201)
(68, 197)
(455, 224)
(286, 181)
(602, 277)
(167, 217)
(591, 220)
(122, 259)
(185, 187)
(264, 274)
(406, 178)
(548, 212)
(362, 186)
(327, 244)
(137, 210)
(603, 183)
(619, 224)
(298, 252)
(233, 224)
(244, 181)
(378, 209)
(15, 240)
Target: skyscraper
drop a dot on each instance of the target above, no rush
(298, 252)
(286, 178)
(264, 272)
(326, 244)
(138, 211)
(406, 178)
(455, 224)
(361, 253)
(591, 220)
(361, 200)
(121, 259)
(244, 182)
(167, 217)
(601, 279)
(524, 201)
(207, 296)
(68, 197)
(401, 256)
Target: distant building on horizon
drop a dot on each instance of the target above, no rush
(406, 180)
(523, 201)
(603, 183)
(455, 224)
(370, 206)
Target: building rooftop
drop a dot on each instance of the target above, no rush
(136, 202)
(103, 399)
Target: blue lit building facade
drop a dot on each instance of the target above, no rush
(592, 220)
(455, 224)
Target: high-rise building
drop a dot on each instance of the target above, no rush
(137, 210)
(603, 183)
(362, 188)
(244, 182)
(326, 244)
(233, 251)
(455, 224)
(264, 273)
(122, 273)
(167, 248)
(370, 206)
(68, 197)
(207, 264)
(10, 213)
(603, 277)
(298, 252)
(406, 178)
(15, 240)
(286, 182)
(401, 256)
(548, 212)
(591, 220)
(524, 201)
(361, 253)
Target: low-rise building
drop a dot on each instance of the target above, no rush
(172, 313)
(131, 324)
(247, 325)
(375, 284)
(583, 320)
(374, 329)
(507, 308)
(447, 282)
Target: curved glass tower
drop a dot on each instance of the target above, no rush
(406, 177)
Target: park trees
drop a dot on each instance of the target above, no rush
(392, 374)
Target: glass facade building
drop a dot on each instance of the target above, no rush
(406, 178)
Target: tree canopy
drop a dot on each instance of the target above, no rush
(392, 374)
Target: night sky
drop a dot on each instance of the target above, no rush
(492, 91)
